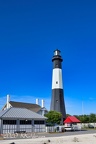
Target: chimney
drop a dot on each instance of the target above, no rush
(37, 101)
(42, 101)
(8, 99)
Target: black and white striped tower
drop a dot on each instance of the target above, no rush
(57, 100)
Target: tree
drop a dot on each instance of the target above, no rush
(68, 115)
(53, 117)
(87, 118)
(83, 118)
(92, 117)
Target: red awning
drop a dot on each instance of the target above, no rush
(71, 119)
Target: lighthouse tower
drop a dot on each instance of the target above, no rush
(57, 100)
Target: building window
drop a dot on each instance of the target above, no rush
(25, 122)
(56, 82)
(38, 122)
(9, 122)
(56, 100)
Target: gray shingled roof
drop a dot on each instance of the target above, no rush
(30, 106)
(20, 113)
(3, 112)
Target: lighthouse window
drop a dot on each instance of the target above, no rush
(56, 100)
(56, 82)
(56, 65)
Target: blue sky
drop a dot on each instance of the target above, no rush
(30, 30)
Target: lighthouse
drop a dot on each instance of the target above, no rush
(57, 99)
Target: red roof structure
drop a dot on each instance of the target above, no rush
(71, 119)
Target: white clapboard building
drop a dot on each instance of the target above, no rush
(14, 120)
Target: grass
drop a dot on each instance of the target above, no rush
(86, 128)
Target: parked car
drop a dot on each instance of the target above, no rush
(69, 128)
(63, 128)
(90, 126)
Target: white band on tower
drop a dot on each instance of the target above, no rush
(57, 79)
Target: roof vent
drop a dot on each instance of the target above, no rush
(37, 101)
(42, 103)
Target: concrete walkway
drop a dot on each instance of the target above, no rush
(81, 139)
